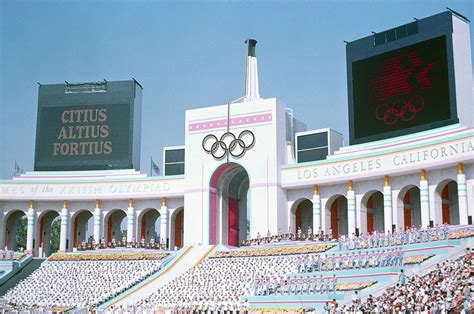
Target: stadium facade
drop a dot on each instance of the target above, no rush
(250, 166)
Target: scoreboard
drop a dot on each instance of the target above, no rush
(408, 79)
(88, 126)
(403, 88)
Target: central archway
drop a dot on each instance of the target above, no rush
(229, 186)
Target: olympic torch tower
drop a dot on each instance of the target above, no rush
(251, 75)
(233, 153)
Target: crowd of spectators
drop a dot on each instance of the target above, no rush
(374, 239)
(78, 283)
(142, 244)
(319, 236)
(446, 289)
(108, 256)
(380, 239)
(294, 285)
(375, 258)
(8, 255)
(216, 284)
(274, 251)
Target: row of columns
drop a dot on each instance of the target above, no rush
(65, 225)
(388, 203)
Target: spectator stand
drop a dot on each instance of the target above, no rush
(83, 264)
(381, 277)
(187, 257)
(167, 263)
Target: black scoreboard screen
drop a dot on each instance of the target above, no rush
(401, 89)
(88, 126)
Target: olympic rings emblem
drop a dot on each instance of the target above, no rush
(400, 110)
(228, 144)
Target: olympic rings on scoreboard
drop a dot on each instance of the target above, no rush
(400, 110)
(228, 144)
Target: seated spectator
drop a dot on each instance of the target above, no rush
(79, 283)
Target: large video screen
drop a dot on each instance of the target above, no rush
(400, 89)
(84, 137)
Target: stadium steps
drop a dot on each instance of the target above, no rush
(20, 275)
(187, 258)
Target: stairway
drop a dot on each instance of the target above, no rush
(20, 275)
(190, 257)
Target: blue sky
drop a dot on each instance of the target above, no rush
(186, 55)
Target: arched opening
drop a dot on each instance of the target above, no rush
(149, 225)
(177, 228)
(303, 215)
(82, 227)
(15, 230)
(116, 226)
(373, 202)
(338, 213)
(411, 207)
(447, 196)
(228, 223)
(49, 233)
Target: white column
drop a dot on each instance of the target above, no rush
(316, 209)
(3, 227)
(30, 229)
(130, 222)
(424, 199)
(63, 232)
(387, 204)
(361, 215)
(164, 225)
(324, 226)
(97, 221)
(462, 195)
(351, 210)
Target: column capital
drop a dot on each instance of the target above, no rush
(350, 185)
(130, 202)
(460, 168)
(423, 175)
(97, 203)
(315, 189)
(386, 180)
(31, 204)
(163, 201)
(65, 204)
